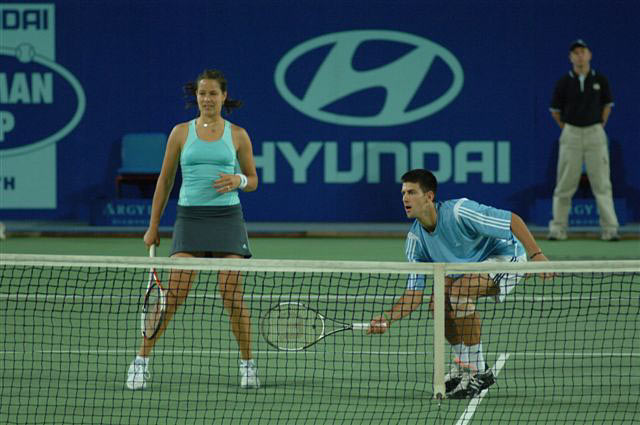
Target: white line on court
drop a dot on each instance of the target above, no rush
(118, 298)
(525, 354)
(311, 352)
(473, 405)
(282, 297)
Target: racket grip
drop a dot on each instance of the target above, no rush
(152, 251)
(360, 326)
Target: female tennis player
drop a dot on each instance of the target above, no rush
(209, 215)
(459, 231)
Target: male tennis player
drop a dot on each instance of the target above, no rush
(459, 231)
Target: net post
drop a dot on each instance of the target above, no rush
(438, 332)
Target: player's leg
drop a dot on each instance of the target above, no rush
(459, 364)
(463, 294)
(179, 287)
(460, 354)
(230, 287)
(598, 170)
(569, 169)
(177, 292)
(450, 330)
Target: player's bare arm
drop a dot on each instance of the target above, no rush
(244, 152)
(521, 231)
(165, 181)
(406, 304)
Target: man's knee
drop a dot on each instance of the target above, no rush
(448, 310)
(462, 306)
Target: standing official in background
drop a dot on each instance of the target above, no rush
(581, 105)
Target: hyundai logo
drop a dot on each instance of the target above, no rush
(336, 78)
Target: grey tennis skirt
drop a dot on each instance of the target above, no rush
(211, 229)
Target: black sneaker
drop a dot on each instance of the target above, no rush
(453, 378)
(472, 386)
(458, 371)
(481, 382)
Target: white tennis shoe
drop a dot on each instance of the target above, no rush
(138, 375)
(248, 375)
(557, 235)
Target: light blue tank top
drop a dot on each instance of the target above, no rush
(201, 163)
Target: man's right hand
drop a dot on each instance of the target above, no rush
(378, 325)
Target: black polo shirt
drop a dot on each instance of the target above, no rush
(581, 105)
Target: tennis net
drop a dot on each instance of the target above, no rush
(563, 350)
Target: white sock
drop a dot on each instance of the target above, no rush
(247, 363)
(140, 359)
(459, 350)
(476, 358)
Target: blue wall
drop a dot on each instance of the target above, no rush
(472, 82)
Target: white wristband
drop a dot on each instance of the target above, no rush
(243, 181)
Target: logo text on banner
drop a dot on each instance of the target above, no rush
(33, 85)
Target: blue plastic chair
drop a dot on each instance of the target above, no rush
(141, 155)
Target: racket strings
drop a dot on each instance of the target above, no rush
(292, 327)
(153, 311)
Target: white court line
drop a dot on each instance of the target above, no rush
(473, 405)
(314, 352)
(283, 297)
(525, 354)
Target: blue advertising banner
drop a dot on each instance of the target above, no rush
(127, 212)
(583, 212)
(340, 98)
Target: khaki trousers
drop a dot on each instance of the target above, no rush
(583, 145)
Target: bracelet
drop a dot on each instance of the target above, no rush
(534, 255)
(386, 316)
(243, 181)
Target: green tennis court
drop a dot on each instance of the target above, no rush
(348, 249)
(75, 343)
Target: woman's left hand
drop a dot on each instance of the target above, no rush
(226, 183)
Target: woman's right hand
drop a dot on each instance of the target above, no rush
(151, 237)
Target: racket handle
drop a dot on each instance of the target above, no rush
(152, 251)
(364, 326)
(360, 326)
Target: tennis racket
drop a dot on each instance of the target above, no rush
(292, 326)
(155, 303)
